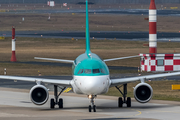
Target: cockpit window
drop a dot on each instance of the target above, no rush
(80, 71)
(96, 71)
(87, 71)
(91, 71)
(102, 70)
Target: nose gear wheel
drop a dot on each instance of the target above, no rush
(92, 106)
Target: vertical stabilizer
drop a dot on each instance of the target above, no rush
(87, 31)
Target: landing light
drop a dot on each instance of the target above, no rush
(90, 96)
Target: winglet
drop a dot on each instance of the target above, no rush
(87, 31)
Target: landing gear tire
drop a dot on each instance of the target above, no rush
(94, 108)
(128, 102)
(124, 94)
(52, 103)
(120, 102)
(56, 96)
(60, 103)
(89, 108)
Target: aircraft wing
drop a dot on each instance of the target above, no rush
(66, 83)
(115, 82)
(51, 59)
(120, 58)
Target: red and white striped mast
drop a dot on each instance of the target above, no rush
(152, 28)
(13, 56)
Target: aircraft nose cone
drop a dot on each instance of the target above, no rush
(93, 85)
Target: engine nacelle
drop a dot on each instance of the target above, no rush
(39, 94)
(143, 92)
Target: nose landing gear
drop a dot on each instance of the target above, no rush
(92, 106)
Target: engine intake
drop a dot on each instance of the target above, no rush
(143, 92)
(39, 94)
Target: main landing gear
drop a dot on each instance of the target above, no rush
(92, 106)
(123, 100)
(56, 95)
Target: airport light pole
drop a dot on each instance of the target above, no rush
(152, 28)
(13, 56)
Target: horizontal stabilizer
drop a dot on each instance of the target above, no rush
(120, 58)
(57, 60)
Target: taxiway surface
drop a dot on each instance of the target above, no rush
(127, 35)
(117, 11)
(15, 104)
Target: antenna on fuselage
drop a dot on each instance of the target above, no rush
(87, 31)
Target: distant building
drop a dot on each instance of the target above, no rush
(160, 62)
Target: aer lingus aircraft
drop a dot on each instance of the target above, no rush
(91, 78)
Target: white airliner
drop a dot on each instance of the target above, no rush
(91, 78)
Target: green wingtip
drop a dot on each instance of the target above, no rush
(87, 30)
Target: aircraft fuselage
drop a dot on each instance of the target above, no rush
(90, 75)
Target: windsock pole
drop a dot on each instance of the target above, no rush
(152, 28)
(13, 57)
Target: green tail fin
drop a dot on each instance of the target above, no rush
(87, 31)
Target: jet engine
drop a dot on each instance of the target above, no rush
(143, 92)
(39, 94)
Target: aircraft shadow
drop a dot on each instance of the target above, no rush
(111, 119)
(110, 109)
